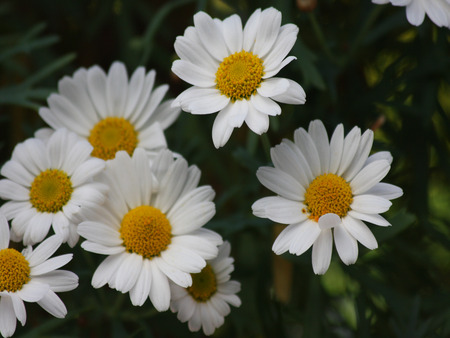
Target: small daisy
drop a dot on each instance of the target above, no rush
(112, 112)
(47, 184)
(150, 234)
(232, 70)
(32, 277)
(437, 10)
(324, 185)
(206, 302)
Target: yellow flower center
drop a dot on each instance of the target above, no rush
(111, 135)
(145, 230)
(50, 190)
(328, 193)
(14, 270)
(204, 284)
(239, 75)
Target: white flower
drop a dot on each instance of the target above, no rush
(150, 234)
(206, 302)
(32, 277)
(325, 185)
(111, 111)
(437, 10)
(232, 70)
(48, 183)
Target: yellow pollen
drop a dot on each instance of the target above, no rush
(328, 193)
(204, 284)
(14, 270)
(50, 190)
(239, 75)
(145, 230)
(111, 135)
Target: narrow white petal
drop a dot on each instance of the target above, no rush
(193, 74)
(221, 130)
(87, 170)
(106, 270)
(53, 305)
(251, 29)
(232, 33)
(305, 236)
(4, 232)
(321, 252)
(370, 204)
(7, 317)
(369, 176)
(283, 44)
(141, 290)
(257, 121)
(385, 190)
(273, 87)
(319, 136)
(128, 272)
(116, 89)
(33, 291)
(269, 27)
(279, 209)
(183, 258)
(194, 52)
(160, 290)
(351, 145)
(280, 183)
(176, 275)
(360, 232)
(16, 172)
(210, 35)
(295, 94)
(336, 148)
(346, 245)
(306, 145)
(38, 228)
(59, 280)
(381, 155)
(265, 105)
(102, 249)
(44, 250)
(329, 221)
(19, 309)
(51, 264)
(165, 114)
(371, 218)
(361, 155)
(415, 13)
(10, 190)
(135, 89)
(96, 82)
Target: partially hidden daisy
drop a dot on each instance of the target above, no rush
(326, 188)
(31, 276)
(232, 70)
(48, 183)
(150, 226)
(111, 111)
(437, 10)
(206, 303)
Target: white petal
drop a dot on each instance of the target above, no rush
(59, 280)
(256, 121)
(19, 309)
(87, 170)
(176, 275)
(96, 82)
(128, 272)
(205, 100)
(371, 218)
(16, 172)
(210, 35)
(306, 145)
(221, 130)
(279, 209)
(10, 190)
(273, 87)
(346, 245)
(106, 270)
(360, 232)
(385, 190)
(193, 74)
(361, 155)
(7, 317)
(44, 250)
(321, 252)
(305, 235)
(51, 264)
(283, 44)
(141, 290)
(33, 291)
(267, 33)
(294, 94)
(53, 305)
(38, 228)
(280, 183)
(415, 13)
(135, 89)
(381, 155)
(160, 290)
(183, 258)
(370, 204)
(192, 51)
(329, 221)
(369, 176)
(336, 148)
(232, 33)
(251, 29)
(265, 105)
(351, 145)
(4, 232)
(102, 249)
(116, 89)
(319, 136)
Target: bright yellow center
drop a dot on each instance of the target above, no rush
(204, 284)
(239, 75)
(50, 190)
(328, 193)
(145, 230)
(14, 270)
(111, 135)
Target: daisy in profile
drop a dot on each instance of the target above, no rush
(150, 226)
(111, 111)
(47, 184)
(30, 276)
(232, 70)
(326, 188)
(207, 301)
(437, 10)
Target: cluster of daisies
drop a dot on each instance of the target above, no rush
(103, 171)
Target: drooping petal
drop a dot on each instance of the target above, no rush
(321, 252)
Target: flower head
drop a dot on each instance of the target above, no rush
(326, 186)
(48, 183)
(31, 276)
(111, 111)
(150, 226)
(232, 70)
(207, 301)
(437, 10)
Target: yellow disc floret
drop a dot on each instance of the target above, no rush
(239, 75)
(111, 135)
(146, 231)
(14, 270)
(50, 190)
(328, 193)
(204, 284)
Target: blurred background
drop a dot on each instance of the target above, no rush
(360, 64)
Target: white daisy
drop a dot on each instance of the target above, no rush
(206, 302)
(232, 70)
(322, 186)
(31, 276)
(47, 184)
(437, 10)
(111, 111)
(150, 234)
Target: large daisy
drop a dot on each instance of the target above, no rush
(437, 10)
(324, 188)
(30, 276)
(150, 226)
(48, 183)
(232, 70)
(111, 111)
(207, 301)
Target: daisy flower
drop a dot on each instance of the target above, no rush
(112, 112)
(206, 302)
(323, 187)
(48, 183)
(232, 70)
(31, 276)
(437, 10)
(150, 233)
